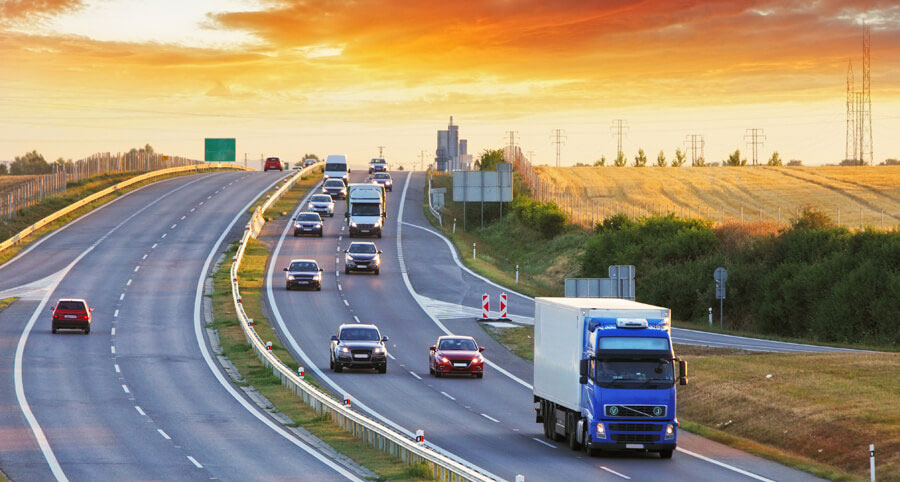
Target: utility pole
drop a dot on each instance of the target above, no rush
(245, 159)
(558, 137)
(619, 128)
(512, 145)
(693, 142)
(381, 152)
(755, 138)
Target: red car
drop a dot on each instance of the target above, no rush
(456, 354)
(71, 314)
(273, 163)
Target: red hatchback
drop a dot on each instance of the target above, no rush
(456, 354)
(273, 164)
(71, 314)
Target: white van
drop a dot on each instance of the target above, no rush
(336, 167)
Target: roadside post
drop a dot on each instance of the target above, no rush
(485, 306)
(710, 316)
(517, 274)
(473, 250)
(720, 276)
(872, 462)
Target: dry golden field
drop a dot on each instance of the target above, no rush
(8, 183)
(767, 192)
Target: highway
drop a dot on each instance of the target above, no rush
(488, 422)
(141, 397)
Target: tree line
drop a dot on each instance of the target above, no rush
(34, 163)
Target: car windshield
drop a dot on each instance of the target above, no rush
(70, 305)
(321, 199)
(627, 373)
(454, 344)
(372, 209)
(363, 248)
(308, 217)
(304, 266)
(334, 183)
(335, 167)
(359, 334)
(382, 176)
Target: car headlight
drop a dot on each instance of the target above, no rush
(291, 277)
(378, 350)
(477, 359)
(297, 226)
(318, 225)
(318, 276)
(670, 431)
(377, 259)
(601, 431)
(444, 360)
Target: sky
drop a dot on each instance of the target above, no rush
(289, 77)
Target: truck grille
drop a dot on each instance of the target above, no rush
(634, 437)
(365, 226)
(648, 411)
(635, 427)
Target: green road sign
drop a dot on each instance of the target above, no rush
(219, 150)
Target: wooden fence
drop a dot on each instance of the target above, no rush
(40, 187)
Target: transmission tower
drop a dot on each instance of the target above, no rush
(850, 149)
(381, 152)
(619, 128)
(755, 138)
(866, 151)
(693, 142)
(858, 147)
(513, 136)
(558, 137)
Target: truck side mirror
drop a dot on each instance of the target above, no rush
(582, 380)
(285, 269)
(583, 368)
(682, 366)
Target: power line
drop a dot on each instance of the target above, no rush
(693, 142)
(619, 128)
(755, 138)
(558, 137)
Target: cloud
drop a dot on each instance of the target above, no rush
(11, 10)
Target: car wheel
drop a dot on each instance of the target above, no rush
(287, 286)
(337, 367)
(430, 370)
(479, 375)
(379, 235)
(320, 234)
(331, 362)
(665, 454)
(87, 330)
(346, 270)
(319, 288)
(382, 368)
(377, 270)
(437, 374)
(53, 329)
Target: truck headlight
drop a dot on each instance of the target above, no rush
(352, 224)
(601, 431)
(318, 276)
(670, 431)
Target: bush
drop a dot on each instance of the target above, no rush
(545, 218)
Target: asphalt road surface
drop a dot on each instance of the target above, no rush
(488, 422)
(140, 397)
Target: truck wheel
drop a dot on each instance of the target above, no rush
(571, 425)
(665, 454)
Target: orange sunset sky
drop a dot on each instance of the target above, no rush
(288, 77)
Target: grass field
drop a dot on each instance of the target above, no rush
(760, 190)
(9, 183)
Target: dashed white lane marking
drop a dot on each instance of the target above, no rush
(116, 366)
(356, 318)
(140, 411)
(136, 268)
(448, 395)
(116, 314)
(391, 356)
(122, 297)
(164, 235)
(193, 209)
(173, 226)
(112, 349)
(414, 374)
(194, 461)
(340, 238)
(336, 273)
(542, 442)
(492, 419)
(165, 435)
(112, 331)
(342, 228)
(337, 248)
(128, 283)
(125, 388)
(201, 203)
(182, 218)
(724, 465)
(217, 192)
(345, 302)
(615, 473)
(207, 197)
(154, 246)
(144, 257)
(339, 287)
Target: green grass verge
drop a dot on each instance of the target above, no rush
(5, 302)
(75, 192)
(255, 374)
(520, 340)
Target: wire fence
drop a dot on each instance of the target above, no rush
(38, 188)
(587, 212)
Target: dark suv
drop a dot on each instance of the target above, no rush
(362, 256)
(358, 346)
(303, 273)
(308, 223)
(273, 163)
(71, 314)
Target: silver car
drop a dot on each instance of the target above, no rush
(322, 204)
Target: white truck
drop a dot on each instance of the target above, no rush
(336, 167)
(604, 374)
(365, 209)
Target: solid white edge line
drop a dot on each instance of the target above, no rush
(164, 435)
(543, 443)
(615, 473)
(201, 342)
(194, 461)
(415, 295)
(492, 419)
(724, 465)
(308, 362)
(390, 356)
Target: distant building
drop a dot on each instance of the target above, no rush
(452, 152)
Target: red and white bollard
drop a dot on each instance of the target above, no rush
(485, 306)
(347, 400)
(420, 437)
(503, 306)
(250, 321)
(269, 345)
(301, 371)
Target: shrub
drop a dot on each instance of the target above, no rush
(545, 218)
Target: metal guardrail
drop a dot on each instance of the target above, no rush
(362, 427)
(434, 211)
(100, 194)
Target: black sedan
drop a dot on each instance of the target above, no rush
(335, 188)
(308, 223)
(303, 273)
(358, 346)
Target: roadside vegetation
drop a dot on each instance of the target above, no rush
(236, 348)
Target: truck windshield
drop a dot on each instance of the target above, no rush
(336, 167)
(369, 209)
(632, 373)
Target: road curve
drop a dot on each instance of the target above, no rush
(137, 398)
(488, 422)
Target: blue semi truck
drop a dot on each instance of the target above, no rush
(604, 374)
